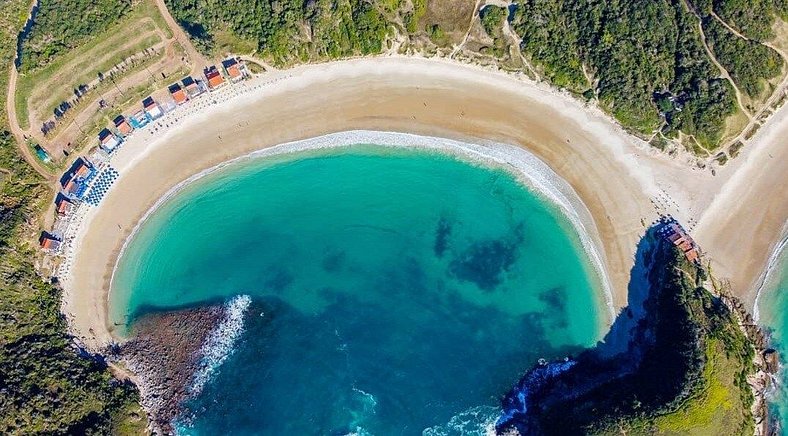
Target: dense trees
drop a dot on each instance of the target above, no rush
(46, 385)
(635, 52)
(64, 24)
(647, 60)
(748, 62)
(289, 30)
(753, 18)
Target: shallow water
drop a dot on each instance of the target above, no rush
(773, 306)
(393, 290)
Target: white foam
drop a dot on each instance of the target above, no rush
(220, 342)
(472, 422)
(771, 265)
(529, 169)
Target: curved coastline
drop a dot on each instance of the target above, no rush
(527, 168)
(623, 182)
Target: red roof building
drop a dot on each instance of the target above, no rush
(214, 77)
(122, 125)
(64, 206)
(49, 242)
(178, 94)
(233, 69)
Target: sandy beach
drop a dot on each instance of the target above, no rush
(622, 181)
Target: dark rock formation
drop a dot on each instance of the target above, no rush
(164, 354)
(660, 365)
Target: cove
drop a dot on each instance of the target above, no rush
(394, 290)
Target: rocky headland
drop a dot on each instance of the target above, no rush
(164, 354)
(690, 361)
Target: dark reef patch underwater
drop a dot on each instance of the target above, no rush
(390, 291)
(370, 290)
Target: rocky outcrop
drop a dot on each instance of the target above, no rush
(164, 353)
(687, 339)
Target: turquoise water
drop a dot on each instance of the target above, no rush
(773, 307)
(393, 290)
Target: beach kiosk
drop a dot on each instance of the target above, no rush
(139, 119)
(108, 140)
(214, 77)
(233, 69)
(152, 108)
(49, 242)
(178, 94)
(123, 126)
(193, 87)
(75, 181)
(63, 205)
(673, 232)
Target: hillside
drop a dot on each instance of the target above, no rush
(666, 70)
(47, 386)
(685, 369)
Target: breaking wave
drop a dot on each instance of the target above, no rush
(219, 344)
(472, 422)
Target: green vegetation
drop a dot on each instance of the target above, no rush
(638, 52)
(685, 372)
(753, 18)
(644, 62)
(288, 31)
(46, 385)
(41, 88)
(413, 18)
(62, 25)
(492, 18)
(749, 63)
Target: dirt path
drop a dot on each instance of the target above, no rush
(13, 122)
(475, 13)
(723, 71)
(198, 60)
(18, 133)
(727, 26)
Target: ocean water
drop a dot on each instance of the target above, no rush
(374, 290)
(773, 309)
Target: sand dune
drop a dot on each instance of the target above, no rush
(621, 180)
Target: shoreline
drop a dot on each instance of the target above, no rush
(763, 281)
(623, 182)
(534, 174)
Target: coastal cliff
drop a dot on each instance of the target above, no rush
(686, 364)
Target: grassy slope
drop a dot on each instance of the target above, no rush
(719, 400)
(97, 52)
(45, 386)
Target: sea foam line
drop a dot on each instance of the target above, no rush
(525, 166)
(218, 346)
(476, 421)
(771, 265)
